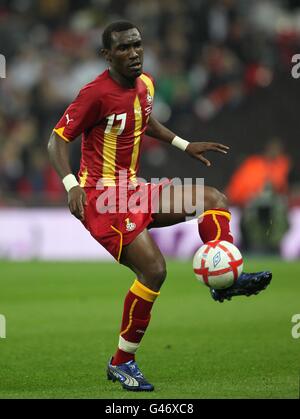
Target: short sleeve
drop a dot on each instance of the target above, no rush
(81, 115)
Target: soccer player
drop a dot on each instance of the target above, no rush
(112, 113)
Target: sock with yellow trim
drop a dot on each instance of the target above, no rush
(136, 317)
(214, 225)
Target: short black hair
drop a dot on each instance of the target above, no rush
(115, 27)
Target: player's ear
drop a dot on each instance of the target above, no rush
(106, 54)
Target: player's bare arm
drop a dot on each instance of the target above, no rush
(58, 151)
(195, 149)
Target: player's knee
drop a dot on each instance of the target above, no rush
(155, 275)
(215, 199)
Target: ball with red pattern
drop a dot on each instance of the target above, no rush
(218, 264)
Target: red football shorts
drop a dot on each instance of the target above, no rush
(115, 218)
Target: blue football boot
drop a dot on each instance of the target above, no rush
(129, 375)
(246, 284)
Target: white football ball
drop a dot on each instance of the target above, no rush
(218, 264)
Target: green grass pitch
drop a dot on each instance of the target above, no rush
(63, 321)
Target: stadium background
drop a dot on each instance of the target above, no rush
(223, 73)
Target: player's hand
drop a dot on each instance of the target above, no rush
(197, 150)
(77, 201)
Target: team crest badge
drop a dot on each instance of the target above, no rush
(129, 225)
(149, 97)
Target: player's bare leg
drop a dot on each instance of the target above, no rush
(214, 224)
(144, 258)
(212, 198)
(214, 215)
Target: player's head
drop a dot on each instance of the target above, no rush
(122, 48)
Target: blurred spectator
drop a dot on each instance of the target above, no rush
(294, 185)
(206, 56)
(259, 187)
(257, 173)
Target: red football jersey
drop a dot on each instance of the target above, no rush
(112, 120)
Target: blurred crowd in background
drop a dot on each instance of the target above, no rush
(208, 57)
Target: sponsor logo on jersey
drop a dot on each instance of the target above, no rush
(69, 119)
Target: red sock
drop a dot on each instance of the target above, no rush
(136, 317)
(214, 225)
